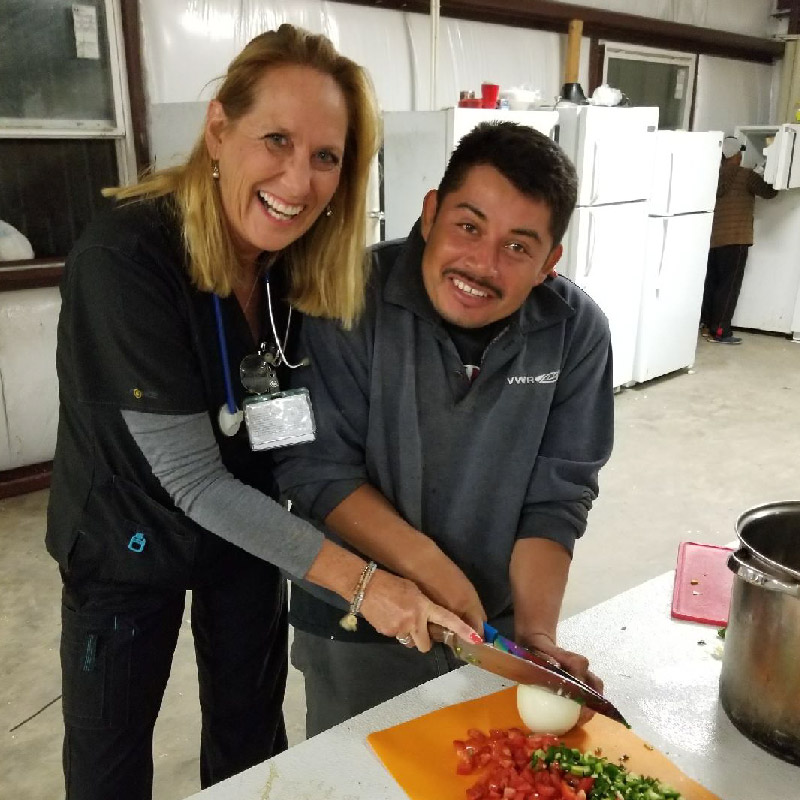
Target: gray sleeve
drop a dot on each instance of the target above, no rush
(577, 439)
(183, 454)
(320, 475)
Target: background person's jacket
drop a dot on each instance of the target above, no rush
(737, 190)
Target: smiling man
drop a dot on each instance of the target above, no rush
(461, 424)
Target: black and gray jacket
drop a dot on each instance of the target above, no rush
(475, 466)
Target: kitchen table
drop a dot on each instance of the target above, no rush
(661, 673)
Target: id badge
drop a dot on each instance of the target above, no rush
(280, 419)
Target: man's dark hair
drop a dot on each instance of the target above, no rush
(529, 160)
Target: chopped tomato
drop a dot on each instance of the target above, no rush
(503, 760)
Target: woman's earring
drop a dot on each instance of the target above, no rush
(328, 211)
(215, 170)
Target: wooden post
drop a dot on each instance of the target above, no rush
(573, 51)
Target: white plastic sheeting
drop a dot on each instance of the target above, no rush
(189, 43)
(473, 52)
(730, 93)
(750, 17)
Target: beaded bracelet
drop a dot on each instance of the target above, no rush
(350, 620)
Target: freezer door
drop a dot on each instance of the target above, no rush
(685, 173)
(414, 155)
(782, 166)
(672, 293)
(605, 255)
(612, 149)
(460, 121)
(417, 146)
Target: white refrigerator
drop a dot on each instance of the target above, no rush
(417, 146)
(604, 248)
(680, 215)
(770, 296)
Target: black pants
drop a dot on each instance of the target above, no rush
(117, 645)
(724, 277)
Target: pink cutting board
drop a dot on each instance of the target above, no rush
(702, 591)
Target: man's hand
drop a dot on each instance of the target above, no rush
(444, 582)
(367, 521)
(574, 663)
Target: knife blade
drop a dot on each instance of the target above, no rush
(533, 668)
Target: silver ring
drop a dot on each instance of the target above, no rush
(405, 640)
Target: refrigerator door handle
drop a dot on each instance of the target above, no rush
(791, 158)
(669, 184)
(595, 154)
(664, 222)
(590, 248)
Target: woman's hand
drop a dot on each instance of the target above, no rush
(574, 663)
(397, 607)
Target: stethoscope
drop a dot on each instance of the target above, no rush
(230, 415)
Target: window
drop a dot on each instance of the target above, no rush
(651, 77)
(64, 117)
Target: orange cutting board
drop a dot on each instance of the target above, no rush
(420, 755)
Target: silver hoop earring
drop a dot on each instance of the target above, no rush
(328, 211)
(215, 170)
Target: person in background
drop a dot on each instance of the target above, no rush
(731, 236)
(463, 422)
(155, 488)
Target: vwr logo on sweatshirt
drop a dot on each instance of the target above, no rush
(547, 377)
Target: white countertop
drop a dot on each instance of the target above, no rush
(655, 672)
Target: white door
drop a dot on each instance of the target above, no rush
(672, 293)
(685, 173)
(782, 167)
(605, 256)
(612, 149)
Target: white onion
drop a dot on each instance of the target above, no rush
(544, 711)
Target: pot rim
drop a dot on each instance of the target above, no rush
(760, 512)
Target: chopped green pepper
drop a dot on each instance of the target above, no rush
(611, 781)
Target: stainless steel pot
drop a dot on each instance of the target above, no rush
(760, 682)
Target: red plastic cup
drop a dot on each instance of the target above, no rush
(489, 92)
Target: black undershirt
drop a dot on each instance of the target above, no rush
(471, 343)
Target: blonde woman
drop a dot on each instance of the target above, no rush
(171, 302)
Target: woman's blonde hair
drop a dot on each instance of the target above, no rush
(328, 265)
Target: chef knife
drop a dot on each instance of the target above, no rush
(533, 668)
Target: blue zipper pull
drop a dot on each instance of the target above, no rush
(137, 542)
